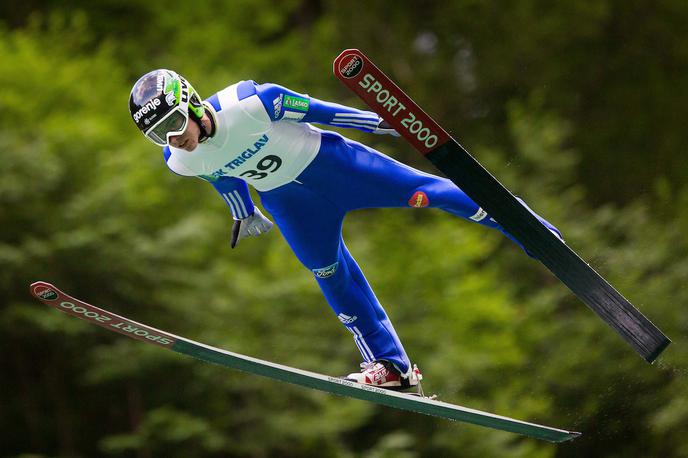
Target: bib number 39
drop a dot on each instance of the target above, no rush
(265, 166)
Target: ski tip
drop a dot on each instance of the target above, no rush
(347, 51)
(354, 63)
(43, 290)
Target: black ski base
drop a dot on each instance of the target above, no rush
(459, 166)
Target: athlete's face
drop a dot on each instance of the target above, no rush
(189, 139)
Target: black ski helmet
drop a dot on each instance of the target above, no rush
(160, 104)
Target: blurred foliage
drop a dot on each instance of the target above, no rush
(577, 106)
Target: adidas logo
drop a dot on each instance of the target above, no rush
(346, 319)
(277, 105)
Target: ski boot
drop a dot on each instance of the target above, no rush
(383, 374)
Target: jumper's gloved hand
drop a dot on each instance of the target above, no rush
(384, 127)
(253, 225)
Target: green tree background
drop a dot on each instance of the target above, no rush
(578, 106)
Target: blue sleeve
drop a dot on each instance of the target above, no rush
(235, 192)
(282, 103)
(166, 154)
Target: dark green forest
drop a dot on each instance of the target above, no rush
(579, 107)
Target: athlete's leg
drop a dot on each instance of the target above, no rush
(375, 336)
(312, 224)
(380, 181)
(444, 194)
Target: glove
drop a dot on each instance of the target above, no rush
(253, 225)
(384, 127)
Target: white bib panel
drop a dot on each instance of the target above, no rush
(247, 144)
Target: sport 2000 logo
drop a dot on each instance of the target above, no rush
(45, 292)
(132, 329)
(350, 65)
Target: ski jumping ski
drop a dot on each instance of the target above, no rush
(53, 297)
(384, 97)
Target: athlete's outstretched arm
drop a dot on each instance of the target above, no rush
(248, 220)
(233, 190)
(283, 103)
(235, 193)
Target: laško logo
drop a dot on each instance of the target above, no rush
(419, 199)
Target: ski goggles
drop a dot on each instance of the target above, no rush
(174, 122)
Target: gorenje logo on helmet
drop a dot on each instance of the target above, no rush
(148, 106)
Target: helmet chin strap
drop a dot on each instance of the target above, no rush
(204, 134)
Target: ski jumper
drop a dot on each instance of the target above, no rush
(308, 179)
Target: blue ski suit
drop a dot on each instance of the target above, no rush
(308, 179)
